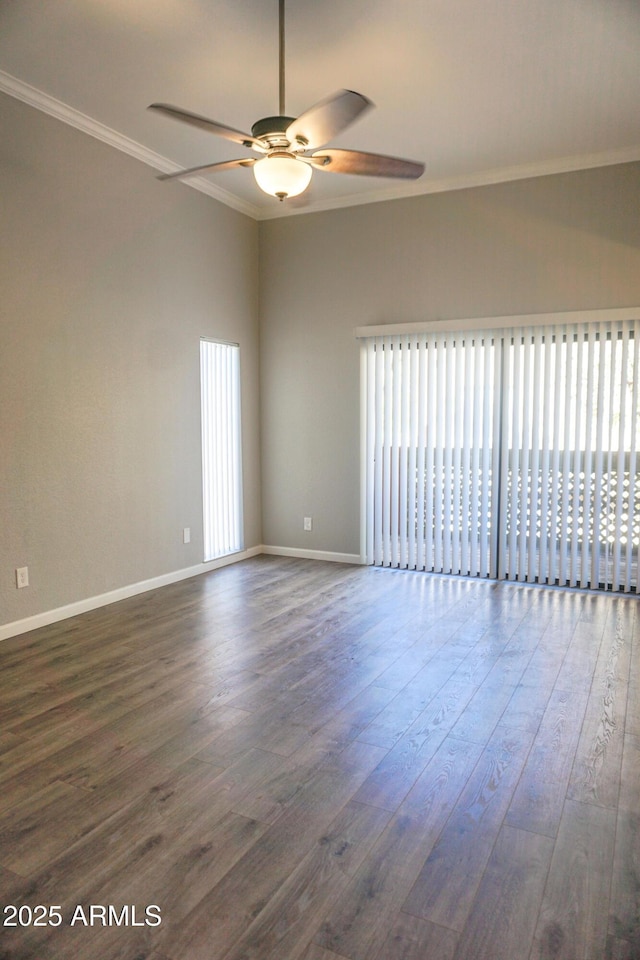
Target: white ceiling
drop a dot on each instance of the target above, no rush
(479, 90)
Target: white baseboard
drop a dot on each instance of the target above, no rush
(122, 593)
(303, 554)
(131, 590)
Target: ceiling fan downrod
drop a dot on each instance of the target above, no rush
(281, 57)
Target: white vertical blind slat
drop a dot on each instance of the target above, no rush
(575, 443)
(386, 449)
(475, 414)
(438, 454)
(559, 357)
(466, 447)
(403, 441)
(588, 355)
(422, 532)
(490, 512)
(514, 459)
(618, 533)
(394, 441)
(596, 511)
(380, 365)
(502, 462)
(632, 550)
(546, 404)
(413, 440)
(527, 504)
(237, 499)
(428, 421)
(218, 455)
(447, 451)
(224, 446)
(458, 533)
(565, 460)
(206, 505)
(537, 512)
(370, 455)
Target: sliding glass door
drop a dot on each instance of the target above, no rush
(508, 453)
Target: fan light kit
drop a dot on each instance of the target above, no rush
(285, 167)
(281, 175)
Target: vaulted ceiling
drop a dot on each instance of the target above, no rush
(478, 90)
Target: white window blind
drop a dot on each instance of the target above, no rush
(221, 448)
(506, 453)
(431, 452)
(569, 480)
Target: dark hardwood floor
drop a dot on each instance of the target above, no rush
(293, 759)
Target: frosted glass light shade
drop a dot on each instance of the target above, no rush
(281, 175)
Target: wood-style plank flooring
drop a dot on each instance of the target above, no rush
(297, 760)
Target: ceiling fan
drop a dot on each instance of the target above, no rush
(285, 166)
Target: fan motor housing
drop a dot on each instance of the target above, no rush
(272, 130)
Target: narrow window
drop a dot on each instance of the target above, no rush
(221, 448)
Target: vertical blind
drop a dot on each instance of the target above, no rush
(221, 450)
(508, 453)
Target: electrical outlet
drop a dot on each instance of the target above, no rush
(308, 523)
(22, 577)
(186, 535)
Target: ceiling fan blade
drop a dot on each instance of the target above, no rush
(208, 168)
(325, 119)
(366, 164)
(211, 126)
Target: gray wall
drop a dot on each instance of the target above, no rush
(108, 279)
(555, 243)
